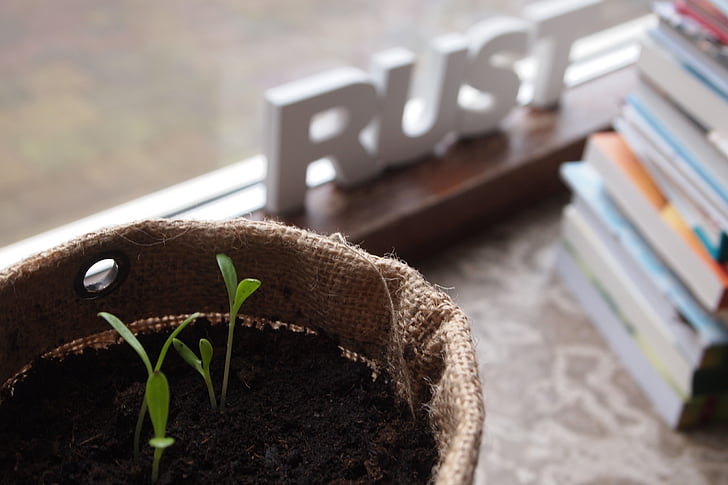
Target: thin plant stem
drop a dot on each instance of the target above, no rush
(138, 429)
(228, 355)
(211, 392)
(155, 464)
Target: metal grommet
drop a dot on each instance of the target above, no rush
(101, 275)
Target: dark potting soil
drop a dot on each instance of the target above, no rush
(297, 412)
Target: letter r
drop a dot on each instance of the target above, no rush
(290, 146)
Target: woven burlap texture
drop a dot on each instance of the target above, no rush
(379, 308)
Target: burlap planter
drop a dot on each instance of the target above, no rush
(377, 307)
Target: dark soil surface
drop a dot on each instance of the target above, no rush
(297, 412)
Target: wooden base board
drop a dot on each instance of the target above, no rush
(417, 210)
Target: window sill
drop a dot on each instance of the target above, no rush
(419, 209)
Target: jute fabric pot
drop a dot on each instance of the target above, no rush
(378, 308)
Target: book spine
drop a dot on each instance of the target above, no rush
(628, 184)
(676, 412)
(692, 204)
(702, 101)
(702, 337)
(636, 310)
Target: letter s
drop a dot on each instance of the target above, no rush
(490, 89)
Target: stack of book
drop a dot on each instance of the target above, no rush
(644, 245)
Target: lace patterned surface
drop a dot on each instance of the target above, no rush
(561, 408)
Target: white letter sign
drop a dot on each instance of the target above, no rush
(398, 139)
(557, 24)
(290, 146)
(469, 88)
(491, 91)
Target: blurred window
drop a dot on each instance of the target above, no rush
(103, 102)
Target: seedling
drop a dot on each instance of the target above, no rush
(157, 399)
(134, 343)
(200, 364)
(238, 292)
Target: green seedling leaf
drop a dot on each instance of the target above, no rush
(237, 294)
(188, 355)
(168, 342)
(206, 353)
(161, 442)
(157, 396)
(157, 399)
(200, 364)
(245, 288)
(229, 275)
(134, 343)
(129, 337)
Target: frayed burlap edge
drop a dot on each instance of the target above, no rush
(378, 308)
